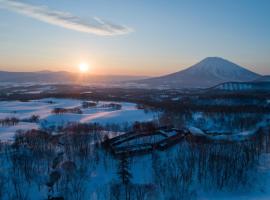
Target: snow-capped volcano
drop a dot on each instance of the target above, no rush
(207, 73)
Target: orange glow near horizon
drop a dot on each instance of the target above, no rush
(90, 65)
(84, 67)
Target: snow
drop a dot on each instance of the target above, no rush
(43, 108)
(176, 98)
(235, 137)
(241, 136)
(104, 171)
(141, 167)
(226, 123)
(209, 72)
(260, 192)
(196, 131)
(219, 68)
(7, 133)
(168, 133)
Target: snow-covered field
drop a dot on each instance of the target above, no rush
(152, 170)
(43, 108)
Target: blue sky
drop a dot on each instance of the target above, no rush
(144, 37)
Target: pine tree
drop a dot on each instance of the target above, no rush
(124, 173)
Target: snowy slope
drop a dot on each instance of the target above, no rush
(207, 73)
(99, 114)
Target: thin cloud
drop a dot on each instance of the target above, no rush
(63, 19)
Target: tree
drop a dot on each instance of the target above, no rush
(34, 118)
(2, 185)
(124, 173)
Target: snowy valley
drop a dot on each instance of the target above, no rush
(173, 145)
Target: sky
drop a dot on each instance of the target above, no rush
(127, 37)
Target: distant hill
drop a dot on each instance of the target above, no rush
(61, 77)
(243, 86)
(260, 84)
(209, 72)
(263, 79)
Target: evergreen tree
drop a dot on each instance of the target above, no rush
(124, 173)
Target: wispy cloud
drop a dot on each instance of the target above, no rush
(43, 13)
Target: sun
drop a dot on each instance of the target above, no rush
(84, 67)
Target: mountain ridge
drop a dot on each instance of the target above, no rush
(61, 77)
(208, 72)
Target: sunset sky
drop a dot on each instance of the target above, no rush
(132, 37)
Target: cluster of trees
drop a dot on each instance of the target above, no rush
(32, 119)
(9, 121)
(210, 166)
(141, 106)
(87, 104)
(123, 188)
(79, 128)
(59, 111)
(60, 166)
(205, 102)
(192, 106)
(114, 106)
(50, 102)
(212, 120)
(144, 126)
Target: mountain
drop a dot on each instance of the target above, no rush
(35, 77)
(209, 72)
(61, 77)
